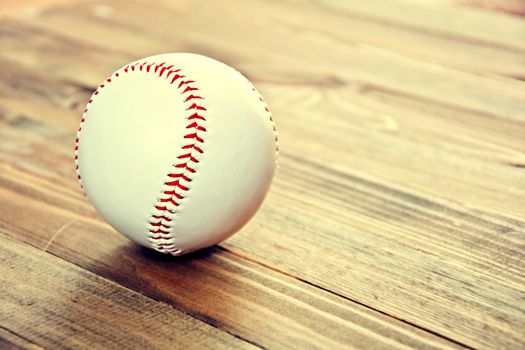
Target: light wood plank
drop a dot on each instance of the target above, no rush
(441, 18)
(26, 7)
(332, 61)
(514, 7)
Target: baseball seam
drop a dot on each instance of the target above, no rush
(272, 122)
(176, 184)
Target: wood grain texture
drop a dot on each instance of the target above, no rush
(49, 303)
(397, 216)
(515, 7)
(218, 286)
(27, 6)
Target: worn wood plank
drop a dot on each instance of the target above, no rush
(49, 303)
(401, 185)
(216, 286)
(345, 103)
(17, 7)
(348, 26)
(513, 96)
(441, 18)
(433, 149)
(12, 341)
(341, 63)
(514, 7)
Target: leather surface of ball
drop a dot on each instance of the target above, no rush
(176, 151)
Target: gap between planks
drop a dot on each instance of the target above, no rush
(339, 295)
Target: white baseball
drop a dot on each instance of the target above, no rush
(176, 151)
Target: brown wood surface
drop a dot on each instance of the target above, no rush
(52, 303)
(396, 219)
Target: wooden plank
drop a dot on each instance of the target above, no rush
(439, 48)
(49, 303)
(11, 341)
(38, 207)
(507, 160)
(432, 149)
(377, 199)
(441, 18)
(268, 308)
(27, 6)
(473, 158)
(342, 64)
(514, 7)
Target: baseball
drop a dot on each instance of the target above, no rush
(176, 151)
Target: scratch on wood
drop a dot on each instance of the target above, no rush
(59, 231)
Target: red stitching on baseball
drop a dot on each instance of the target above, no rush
(185, 82)
(189, 88)
(267, 109)
(192, 97)
(196, 116)
(175, 77)
(160, 223)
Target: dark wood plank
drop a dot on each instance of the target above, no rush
(12, 341)
(266, 307)
(49, 303)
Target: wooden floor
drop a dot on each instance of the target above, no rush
(396, 219)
